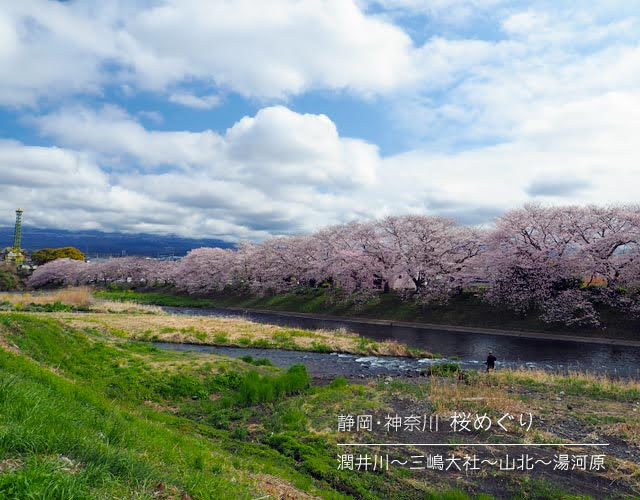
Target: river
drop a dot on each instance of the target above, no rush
(469, 349)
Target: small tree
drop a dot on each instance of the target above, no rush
(48, 254)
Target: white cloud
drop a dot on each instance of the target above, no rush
(275, 148)
(480, 91)
(546, 109)
(258, 49)
(448, 12)
(277, 172)
(116, 136)
(281, 172)
(152, 116)
(194, 101)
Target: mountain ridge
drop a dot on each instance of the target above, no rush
(102, 244)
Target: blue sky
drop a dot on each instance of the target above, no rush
(242, 120)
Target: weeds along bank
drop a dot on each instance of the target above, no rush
(90, 412)
(150, 323)
(234, 332)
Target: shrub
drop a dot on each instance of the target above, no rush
(255, 389)
(320, 347)
(264, 343)
(444, 370)
(263, 362)
(8, 281)
(289, 419)
(338, 383)
(183, 385)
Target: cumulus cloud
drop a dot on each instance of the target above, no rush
(258, 49)
(546, 107)
(282, 172)
(113, 135)
(274, 149)
(277, 172)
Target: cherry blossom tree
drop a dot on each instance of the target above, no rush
(59, 272)
(531, 257)
(435, 252)
(542, 258)
(560, 263)
(205, 270)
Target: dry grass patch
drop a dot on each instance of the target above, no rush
(9, 465)
(112, 306)
(450, 394)
(235, 332)
(588, 381)
(277, 488)
(620, 471)
(4, 344)
(76, 296)
(629, 430)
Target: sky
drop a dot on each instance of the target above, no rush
(242, 120)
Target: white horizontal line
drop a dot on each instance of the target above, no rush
(473, 444)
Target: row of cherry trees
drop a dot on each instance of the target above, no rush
(559, 262)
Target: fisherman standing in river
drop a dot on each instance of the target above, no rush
(490, 362)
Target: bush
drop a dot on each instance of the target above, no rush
(57, 306)
(263, 362)
(289, 419)
(8, 281)
(183, 385)
(256, 362)
(444, 370)
(220, 338)
(338, 383)
(255, 389)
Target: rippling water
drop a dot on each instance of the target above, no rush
(470, 349)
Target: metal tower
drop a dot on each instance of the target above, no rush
(17, 235)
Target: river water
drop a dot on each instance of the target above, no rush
(469, 349)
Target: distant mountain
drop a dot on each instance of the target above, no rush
(99, 244)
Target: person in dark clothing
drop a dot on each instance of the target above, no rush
(491, 361)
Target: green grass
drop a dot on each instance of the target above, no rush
(56, 306)
(444, 370)
(257, 362)
(44, 417)
(92, 414)
(255, 388)
(86, 415)
(155, 298)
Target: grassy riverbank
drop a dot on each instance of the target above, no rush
(89, 409)
(464, 310)
(234, 332)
